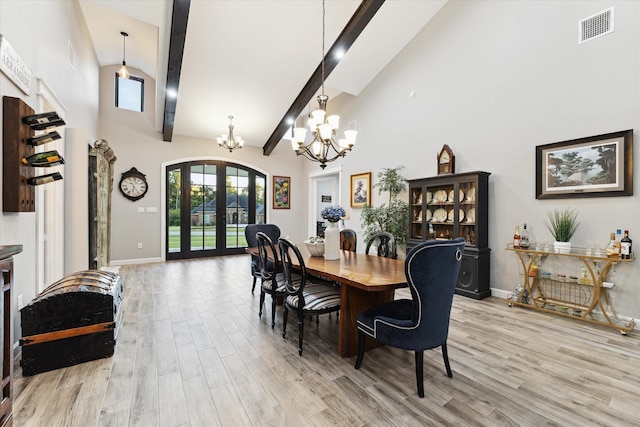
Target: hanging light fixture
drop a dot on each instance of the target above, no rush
(230, 142)
(322, 148)
(124, 73)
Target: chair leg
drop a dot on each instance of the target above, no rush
(284, 322)
(419, 377)
(361, 342)
(253, 288)
(300, 333)
(261, 302)
(273, 311)
(445, 356)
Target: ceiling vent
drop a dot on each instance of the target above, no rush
(595, 26)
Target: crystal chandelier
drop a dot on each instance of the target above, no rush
(230, 142)
(322, 148)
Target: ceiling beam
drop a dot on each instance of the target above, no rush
(360, 19)
(174, 67)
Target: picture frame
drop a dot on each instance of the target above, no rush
(281, 192)
(596, 166)
(360, 190)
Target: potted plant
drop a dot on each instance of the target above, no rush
(392, 217)
(562, 224)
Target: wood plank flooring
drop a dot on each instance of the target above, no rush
(192, 351)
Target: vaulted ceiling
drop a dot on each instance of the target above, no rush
(253, 59)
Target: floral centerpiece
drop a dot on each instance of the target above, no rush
(333, 213)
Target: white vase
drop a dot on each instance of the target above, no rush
(332, 242)
(562, 247)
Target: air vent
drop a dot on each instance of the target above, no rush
(595, 26)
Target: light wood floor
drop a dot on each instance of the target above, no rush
(193, 352)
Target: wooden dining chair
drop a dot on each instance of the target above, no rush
(420, 323)
(348, 240)
(307, 296)
(385, 245)
(271, 230)
(272, 282)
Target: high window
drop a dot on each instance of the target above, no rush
(130, 93)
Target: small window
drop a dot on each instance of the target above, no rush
(130, 93)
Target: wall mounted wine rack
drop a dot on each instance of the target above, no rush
(17, 195)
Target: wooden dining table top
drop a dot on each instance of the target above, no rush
(367, 272)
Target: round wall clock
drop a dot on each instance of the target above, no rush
(133, 184)
(446, 160)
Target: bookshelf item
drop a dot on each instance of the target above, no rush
(450, 206)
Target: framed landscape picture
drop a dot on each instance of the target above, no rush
(595, 166)
(360, 190)
(281, 192)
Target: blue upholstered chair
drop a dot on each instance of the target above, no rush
(306, 296)
(348, 240)
(272, 281)
(385, 245)
(271, 230)
(420, 323)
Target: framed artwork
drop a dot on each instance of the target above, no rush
(281, 192)
(360, 190)
(596, 166)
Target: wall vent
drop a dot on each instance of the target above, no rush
(595, 26)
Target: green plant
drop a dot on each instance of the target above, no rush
(562, 224)
(392, 218)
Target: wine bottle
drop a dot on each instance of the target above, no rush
(625, 246)
(43, 120)
(524, 238)
(43, 139)
(44, 159)
(44, 179)
(516, 238)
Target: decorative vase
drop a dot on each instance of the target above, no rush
(332, 242)
(562, 247)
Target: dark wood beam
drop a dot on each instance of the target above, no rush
(176, 49)
(360, 19)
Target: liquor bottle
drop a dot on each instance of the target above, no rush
(524, 238)
(516, 238)
(43, 139)
(625, 246)
(612, 247)
(44, 179)
(44, 159)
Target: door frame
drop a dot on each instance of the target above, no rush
(315, 178)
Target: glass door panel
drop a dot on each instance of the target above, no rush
(174, 204)
(203, 207)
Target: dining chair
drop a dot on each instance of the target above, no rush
(272, 282)
(306, 296)
(271, 230)
(385, 245)
(420, 323)
(348, 240)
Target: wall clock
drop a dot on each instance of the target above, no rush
(133, 184)
(446, 160)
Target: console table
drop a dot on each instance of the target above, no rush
(583, 297)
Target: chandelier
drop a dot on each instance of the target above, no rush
(124, 73)
(230, 142)
(323, 148)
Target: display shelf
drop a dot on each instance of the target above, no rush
(585, 298)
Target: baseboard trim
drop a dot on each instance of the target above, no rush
(135, 261)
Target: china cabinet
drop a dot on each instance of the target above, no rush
(451, 206)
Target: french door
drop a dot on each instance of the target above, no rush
(209, 204)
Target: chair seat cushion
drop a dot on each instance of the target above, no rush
(281, 286)
(317, 298)
(390, 322)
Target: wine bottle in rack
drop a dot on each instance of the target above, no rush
(44, 159)
(43, 139)
(44, 179)
(43, 120)
(625, 246)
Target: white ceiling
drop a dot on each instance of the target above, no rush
(249, 58)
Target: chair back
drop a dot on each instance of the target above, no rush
(385, 245)
(348, 240)
(432, 269)
(294, 287)
(271, 230)
(266, 248)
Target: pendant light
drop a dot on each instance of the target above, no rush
(124, 73)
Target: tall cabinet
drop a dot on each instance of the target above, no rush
(450, 206)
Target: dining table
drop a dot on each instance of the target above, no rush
(365, 281)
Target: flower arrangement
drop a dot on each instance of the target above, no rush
(333, 213)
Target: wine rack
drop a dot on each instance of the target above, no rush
(19, 141)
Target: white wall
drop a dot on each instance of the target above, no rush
(41, 32)
(493, 80)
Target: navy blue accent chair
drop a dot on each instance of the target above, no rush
(385, 245)
(348, 240)
(306, 296)
(271, 230)
(272, 281)
(420, 323)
